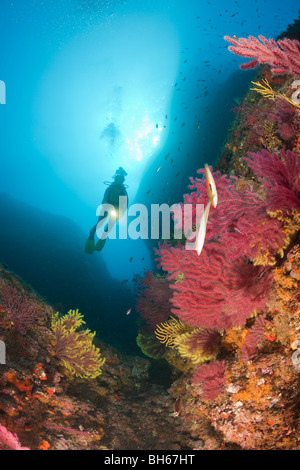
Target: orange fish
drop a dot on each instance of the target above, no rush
(178, 406)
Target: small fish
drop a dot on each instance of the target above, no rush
(131, 259)
(202, 228)
(158, 169)
(178, 406)
(124, 282)
(128, 311)
(211, 186)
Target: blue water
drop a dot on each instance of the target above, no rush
(93, 85)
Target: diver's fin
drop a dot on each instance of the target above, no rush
(100, 244)
(89, 246)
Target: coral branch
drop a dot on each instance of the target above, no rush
(217, 291)
(283, 56)
(280, 178)
(256, 333)
(153, 295)
(213, 377)
(75, 348)
(10, 440)
(19, 310)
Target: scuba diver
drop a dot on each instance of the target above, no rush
(109, 218)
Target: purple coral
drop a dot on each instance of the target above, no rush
(240, 219)
(280, 178)
(217, 291)
(255, 335)
(286, 117)
(212, 376)
(232, 204)
(10, 440)
(20, 311)
(207, 340)
(153, 296)
(220, 288)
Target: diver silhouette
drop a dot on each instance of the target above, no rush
(105, 222)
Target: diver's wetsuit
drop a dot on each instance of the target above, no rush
(111, 196)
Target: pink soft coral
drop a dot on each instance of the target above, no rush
(212, 376)
(240, 219)
(153, 296)
(280, 178)
(216, 291)
(283, 56)
(10, 440)
(255, 335)
(286, 117)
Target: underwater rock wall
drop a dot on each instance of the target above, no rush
(62, 389)
(232, 330)
(47, 251)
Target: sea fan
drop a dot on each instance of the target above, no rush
(153, 296)
(217, 291)
(232, 204)
(198, 345)
(168, 332)
(240, 220)
(75, 348)
(9, 440)
(256, 333)
(258, 236)
(283, 56)
(280, 178)
(287, 118)
(20, 311)
(212, 376)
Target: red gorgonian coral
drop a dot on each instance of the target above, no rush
(153, 299)
(286, 117)
(20, 311)
(212, 376)
(240, 219)
(255, 335)
(283, 56)
(280, 178)
(216, 291)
